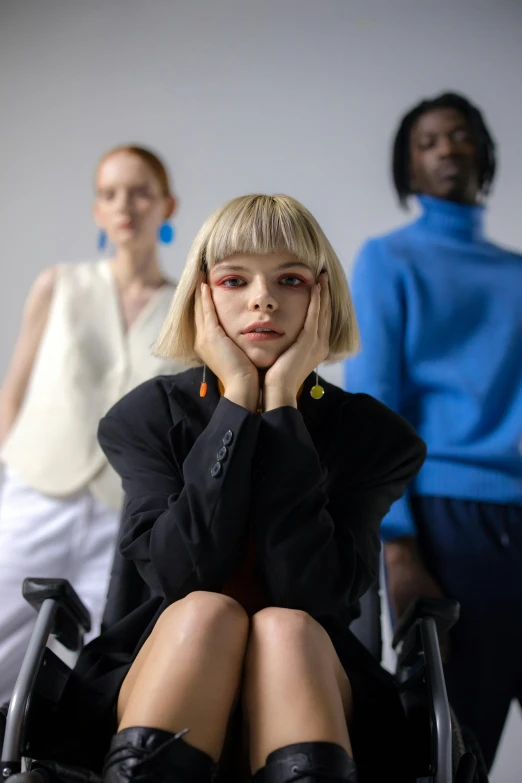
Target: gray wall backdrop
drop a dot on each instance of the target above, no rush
(295, 96)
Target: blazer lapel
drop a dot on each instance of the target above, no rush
(185, 389)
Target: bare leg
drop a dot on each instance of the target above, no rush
(188, 672)
(295, 688)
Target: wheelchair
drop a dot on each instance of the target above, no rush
(442, 751)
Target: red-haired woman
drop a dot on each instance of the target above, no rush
(85, 341)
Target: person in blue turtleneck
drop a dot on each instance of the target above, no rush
(440, 313)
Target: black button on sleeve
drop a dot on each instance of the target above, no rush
(228, 438)
(222, 454)
(216, 470)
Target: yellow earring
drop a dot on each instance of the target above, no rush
(316, 391)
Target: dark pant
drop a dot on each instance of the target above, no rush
(475, 552)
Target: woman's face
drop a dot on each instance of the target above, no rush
(262, 302)
(129, 204)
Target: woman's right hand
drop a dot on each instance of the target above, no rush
(408, 578)
(226, 360)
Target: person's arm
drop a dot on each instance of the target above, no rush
(34, 320)
(407, 575)
(379, 295)
(319, 552)
(184, 525)
(379, 299)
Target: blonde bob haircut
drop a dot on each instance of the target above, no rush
(258, 225)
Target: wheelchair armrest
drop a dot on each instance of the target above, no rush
(36, 591)
(445, 612)
(34, 776)
(59, 613)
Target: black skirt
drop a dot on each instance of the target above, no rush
(79, 730)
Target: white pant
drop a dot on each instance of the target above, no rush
(40, 536)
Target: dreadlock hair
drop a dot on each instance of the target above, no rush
(401, 146)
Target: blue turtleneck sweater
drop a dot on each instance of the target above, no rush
(440, 313)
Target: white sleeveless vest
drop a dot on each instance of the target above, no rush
(85, 363)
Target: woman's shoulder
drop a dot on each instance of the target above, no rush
(81, 267)
(363, 423)
(158, 398)
(369, 412)
(82, 277)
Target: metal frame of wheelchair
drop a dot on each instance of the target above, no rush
(438, 756)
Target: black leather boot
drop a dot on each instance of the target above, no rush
(308, 762)
(144, 755)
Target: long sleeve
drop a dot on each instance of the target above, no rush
(185, 522)
(317, 529)
(379, 300)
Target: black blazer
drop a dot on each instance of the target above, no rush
(201, 474)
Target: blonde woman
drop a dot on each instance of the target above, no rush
(86, 338)
(255, 494)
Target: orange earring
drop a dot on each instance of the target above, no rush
(203, 387)
(316, 391)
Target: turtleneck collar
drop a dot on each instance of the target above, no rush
(461, 221)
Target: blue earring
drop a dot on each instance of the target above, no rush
(102, 240)
(167, 233)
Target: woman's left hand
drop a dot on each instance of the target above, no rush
(286, 376)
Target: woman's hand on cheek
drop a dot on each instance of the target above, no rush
(284, 379)
(226, 360)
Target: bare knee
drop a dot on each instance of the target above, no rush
(210, 605)
(203, 616)
(291, 639)
(198, 644)
(286, 629)
(289, 643)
